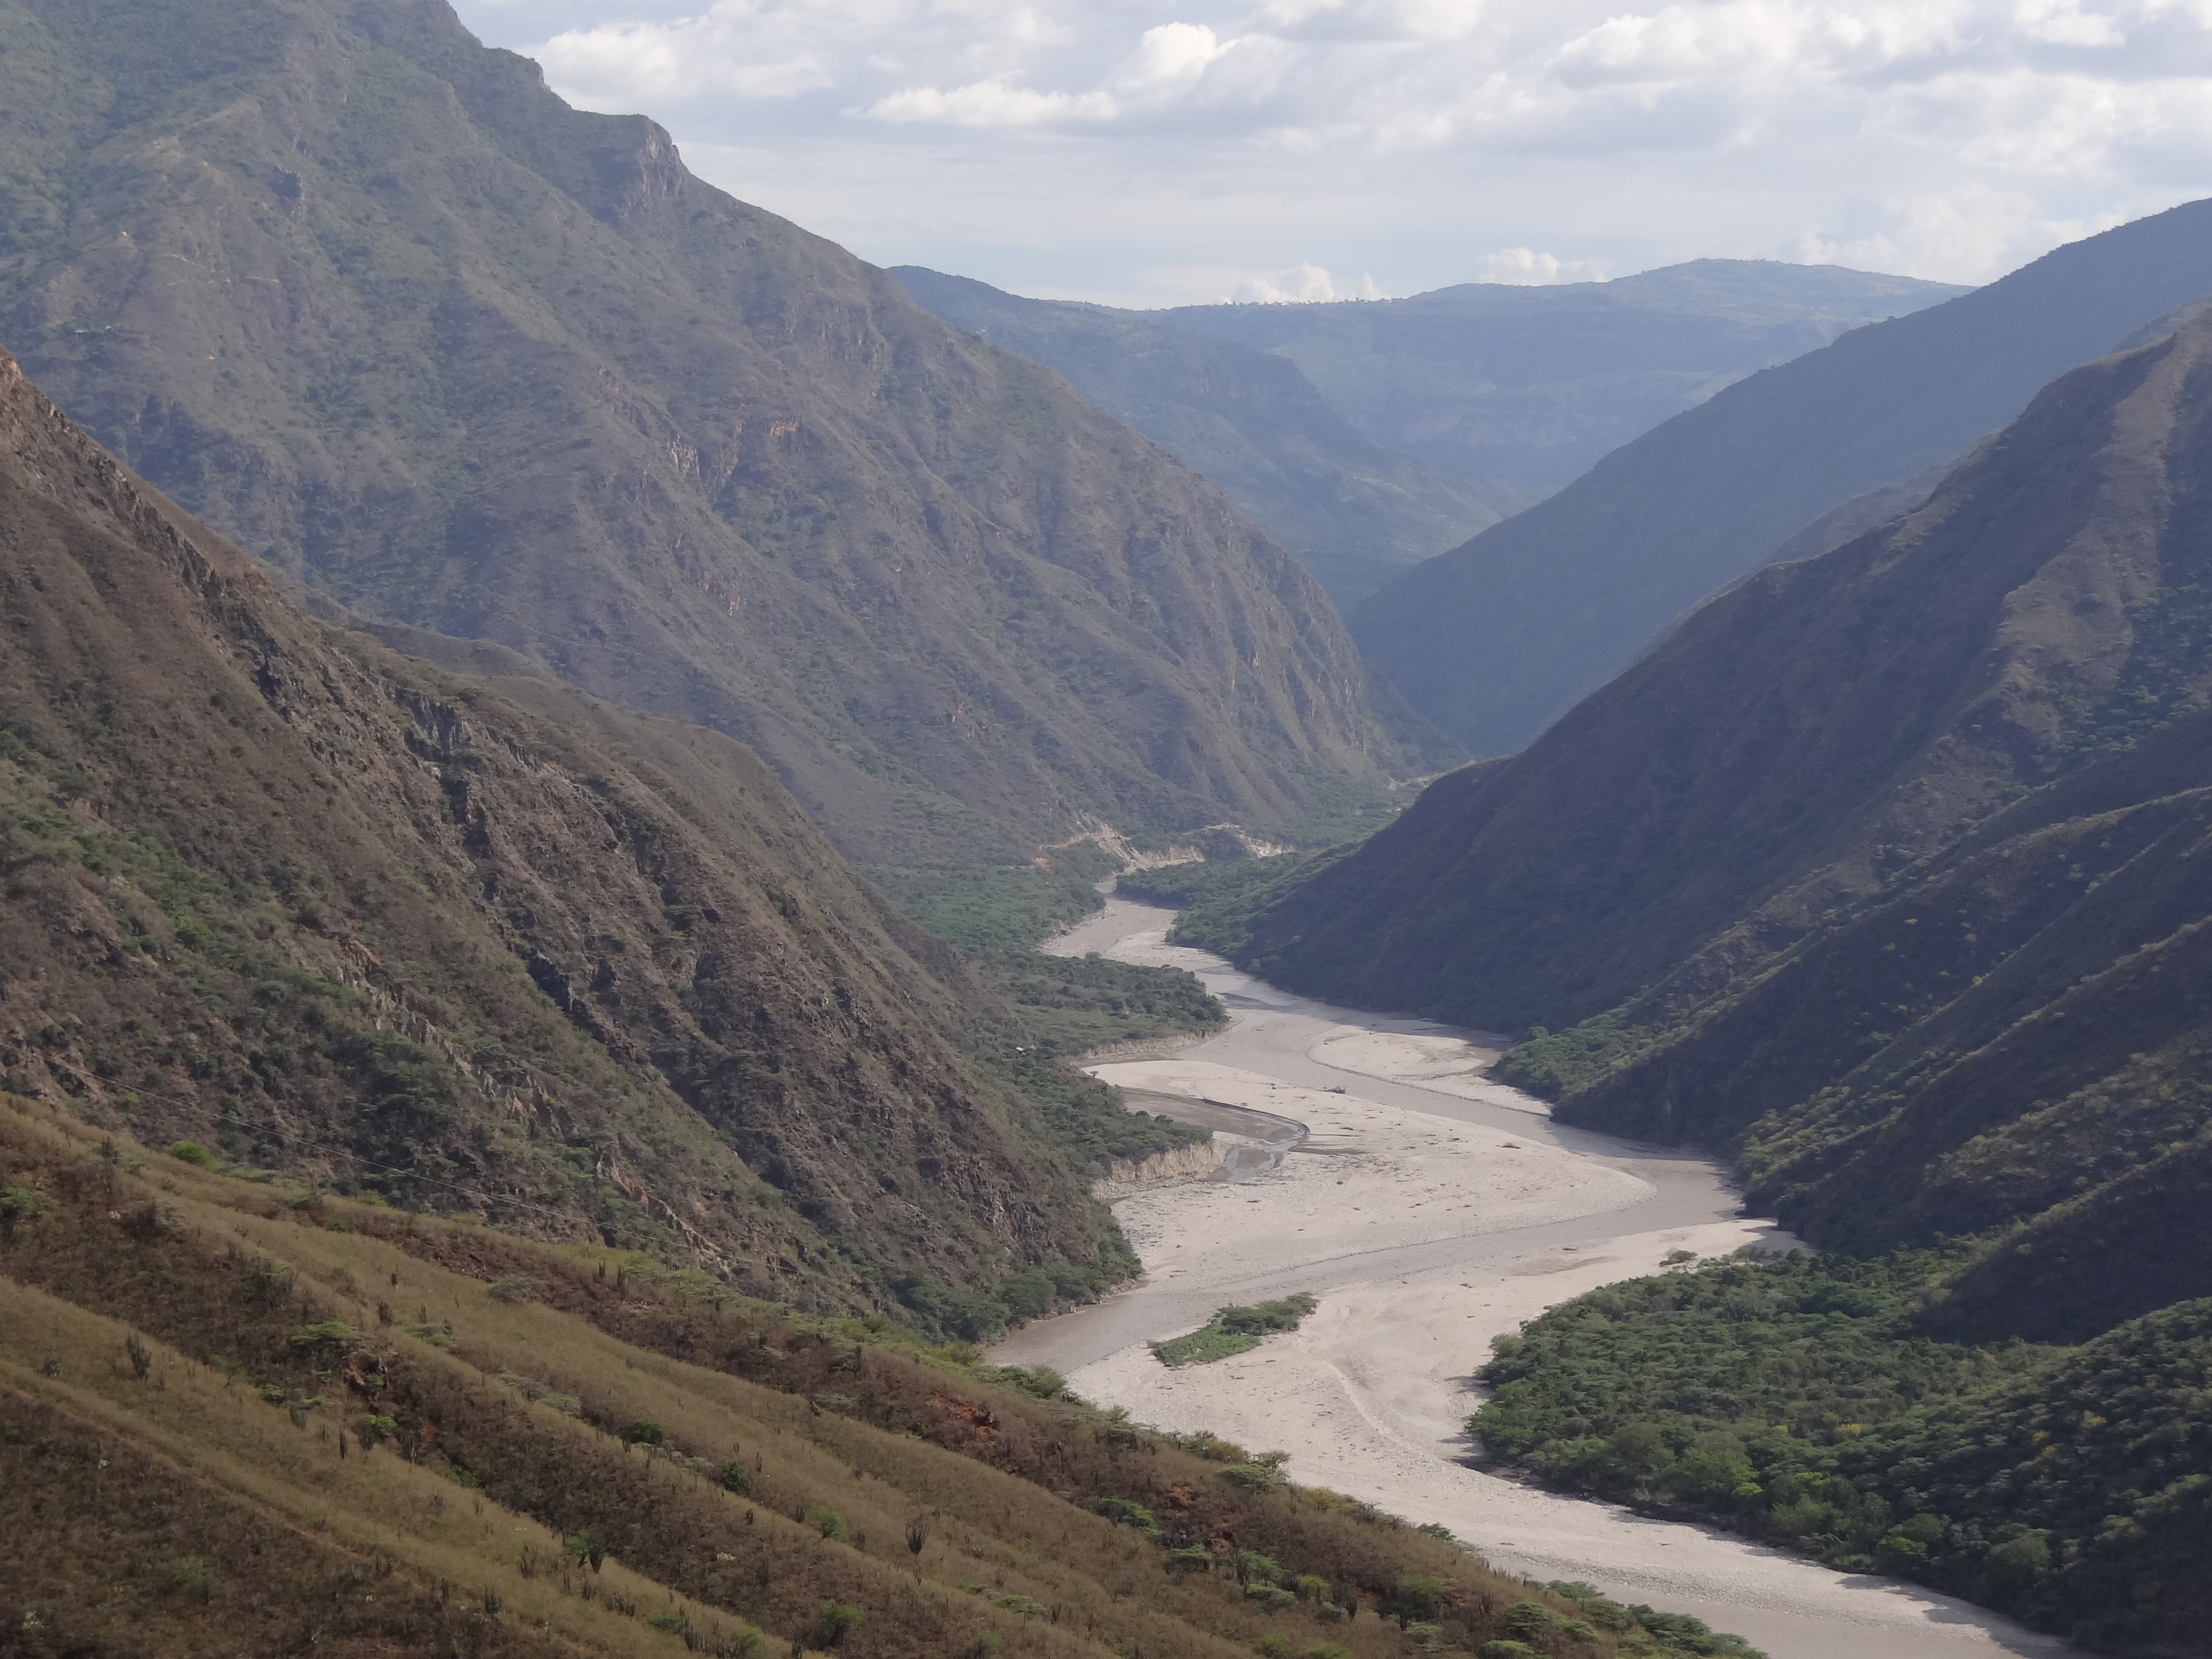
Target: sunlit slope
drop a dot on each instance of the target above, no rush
(332, 912)
(233, 1407)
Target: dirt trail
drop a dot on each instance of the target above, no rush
(1431, 1209)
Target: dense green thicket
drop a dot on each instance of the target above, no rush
(1055, 1008)
(1234, 1330)
(1216, 899)
(1798, 1400)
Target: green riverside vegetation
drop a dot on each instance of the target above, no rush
(1234, 1330)
(1803, 1402)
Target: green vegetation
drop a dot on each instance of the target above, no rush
(1216, 899)
(1802, 1400)
(1556, 1064)
(1234, 1330)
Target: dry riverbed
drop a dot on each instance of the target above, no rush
(1431, 1209)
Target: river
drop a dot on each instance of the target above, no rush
(1430, 1209)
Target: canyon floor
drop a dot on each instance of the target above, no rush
(1431, 1209)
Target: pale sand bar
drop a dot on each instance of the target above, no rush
(1433, 1209)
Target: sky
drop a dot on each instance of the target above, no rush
(1163, 152)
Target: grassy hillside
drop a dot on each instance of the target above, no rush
(370, 300)
(1498, 639)
(1803, 1402)
(231, 1407)
(1352, 512)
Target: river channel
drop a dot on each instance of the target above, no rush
(1430, 1209)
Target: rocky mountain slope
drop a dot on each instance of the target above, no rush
(1529, 386)
(1352, 512)
(1496, 639)
(484, 946)
(371, 300)
(1887, 868)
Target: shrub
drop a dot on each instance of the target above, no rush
(1532, 1621)
(191, 1151)
(188, 1576)
(1415, 1599)
(1233, 1330)
(17, 1205)
(827, 1523)
(1123, 1513)
(731, 1477)
(516, 1287)
(833, 1623)
(646, 1434)
(327, 1330)
(1251, 1477)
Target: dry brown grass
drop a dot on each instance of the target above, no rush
(482, 1480)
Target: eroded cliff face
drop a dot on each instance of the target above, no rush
(369, 299)
(497, 949)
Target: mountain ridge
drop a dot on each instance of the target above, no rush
(1496, 639)
(1249, 420)
(370, 299)
(1884, 871)
(469, 946)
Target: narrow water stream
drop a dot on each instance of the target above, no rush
(1431, 1209)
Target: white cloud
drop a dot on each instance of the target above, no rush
(1522, 267)
(1306, 284)
(993, 104)
(1174, 54)
(1134, 149)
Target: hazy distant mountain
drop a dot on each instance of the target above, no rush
(1498, 638)
(1530, 385)
(1352, 512)
(1357, 435)
(375, 302)
(1891, 868)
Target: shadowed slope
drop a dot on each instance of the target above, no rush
(1498, 638)
(1888, 867)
